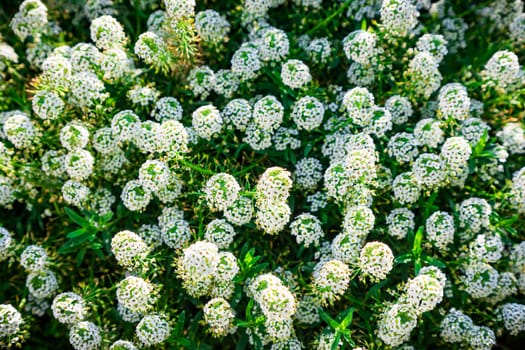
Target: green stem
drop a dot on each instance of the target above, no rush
(329, 18)
(196, 167)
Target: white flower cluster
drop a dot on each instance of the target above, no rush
(10, 321)
(307, 230)
(457, 327)
(219, 316)
(421, 294)
(206, 271)
(272, 192)
(330, 280)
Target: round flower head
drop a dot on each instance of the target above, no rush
(10, 320)
(136, 294)
(359, 220)
(308, 173)
(400, 108)
(73, 136)
(227, 268)
(47, 104)
(512, 136)
(219, 316)
(361, 75)
(136, 195)
(346, 246)
(276, 301)
(503, 69)
(201, 80)
(381, 122)
(176, 234)
(153, 50)
(360, 46)
(272, 217)
(336, 181)
(403, 147)
(376, 260)
(399, 16)
(211, 26)
(453, 102)
(84, 58)
(143, 95)
(240, 212)
(30, 19)
(455, 326)
(124, 125)
(360, 166)
(178, 9)
(115, 64)
(400, 221)
(86, 90)
(479, 279)
(19, 130)
(197, 266)
(220, 232)
(286, 138)
(359, 104)
(273, 45)
(103, 141)
(123, 345)
(434, 44)
(42, 284)
(428, 170)
(268, 113)
(75, 193)
(406, 189)
(423, 293)
(56, 71)
(273, 186)
(245, 62)
(295, 74)
(85, 336)
(152, 330)
(174, 138)
(167, 108)
(455, 152)
(424, 74)
(207, 122)
(480, 337)
(428, 133)
(79, 164)
(396, 324)
(513, 317)
(440, 229)
(226, 83)
(307, 230)
(107, 33)
(69, 308)
(221, 191)
(33, 258)
(6, 243)
(331, 280)
(517, 29)
(307, 113)
(155, 173)
(148, 137)
(237, 112)
(257, 138)
(473, 129)
(474, 214)
(129, 249)
(319, 50)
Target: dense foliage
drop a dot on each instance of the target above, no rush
(280, 174)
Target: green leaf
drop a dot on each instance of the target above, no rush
(78, 233)
(76, 218)
(329, 320)
(348, 318)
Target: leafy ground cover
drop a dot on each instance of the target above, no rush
(280, 174)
